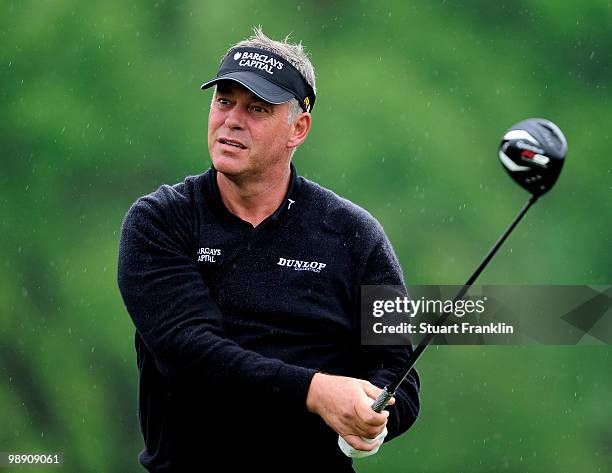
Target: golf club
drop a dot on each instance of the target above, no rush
(532, 152)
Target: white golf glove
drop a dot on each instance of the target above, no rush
(354, 453)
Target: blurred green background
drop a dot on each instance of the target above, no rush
(101, 104)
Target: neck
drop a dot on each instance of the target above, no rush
(255, 200)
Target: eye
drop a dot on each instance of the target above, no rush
(223, 101)
(259, 109)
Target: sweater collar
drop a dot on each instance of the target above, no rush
(212, 189)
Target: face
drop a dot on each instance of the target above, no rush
(248, 137)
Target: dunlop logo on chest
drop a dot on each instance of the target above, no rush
(299, 265)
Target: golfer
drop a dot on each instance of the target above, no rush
(243, 285)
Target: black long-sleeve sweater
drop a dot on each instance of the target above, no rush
(233, 321)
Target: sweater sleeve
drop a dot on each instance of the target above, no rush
(178, 320)
(382, 362)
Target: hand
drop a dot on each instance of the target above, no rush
(345, 405)
(354, 453)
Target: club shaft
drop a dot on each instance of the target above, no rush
(414, 356)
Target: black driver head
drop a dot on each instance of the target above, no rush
(533, 152)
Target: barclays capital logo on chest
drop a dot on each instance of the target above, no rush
(299, 265)
(208, 255)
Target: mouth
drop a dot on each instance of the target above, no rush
(234, 143)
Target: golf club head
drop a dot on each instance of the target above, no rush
(532, 153)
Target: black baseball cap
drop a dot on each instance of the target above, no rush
(267, 75)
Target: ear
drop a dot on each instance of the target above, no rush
(299, 130)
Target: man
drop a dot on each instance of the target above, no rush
(243, 284)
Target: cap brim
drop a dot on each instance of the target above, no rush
(268, 91)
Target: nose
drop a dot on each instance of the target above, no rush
(234, 119)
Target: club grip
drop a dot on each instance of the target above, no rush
(382, 400)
